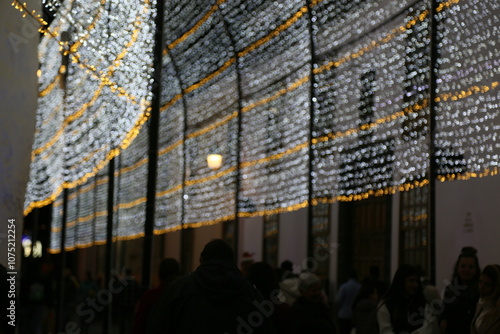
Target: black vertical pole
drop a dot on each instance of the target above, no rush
(106, 324)
(108, 262)
(432, 126)
(312, 93)
(61, 305)
(238, 161)
(238, 141)
(183, 179)
(184, 234)
(154, 124)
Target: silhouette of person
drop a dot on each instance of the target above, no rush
(345, 299)
(364, 308)
(215, 298)
(403, 308)
(246, 261)
(462, 294)
(309, 313)
(70, 297)
(168, 271)
(487, 317)
(88, 289)
(263, 277)
(126, 302)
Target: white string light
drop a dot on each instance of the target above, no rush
(370, 131)
(170, 171)
(131, 181)
(46, 177)
(372, 87)
(86, 215)
(467, 129)
(101, 205)
(71, 233)
(56, 226)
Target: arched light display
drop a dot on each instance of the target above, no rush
(106, 94)
(270, 85)
(46, 176)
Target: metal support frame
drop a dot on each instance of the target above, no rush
(238, 140)
(312, 94)
(434, 55)
(154, 124)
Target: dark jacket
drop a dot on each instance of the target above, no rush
(459, 308)
(311, 317)
(365, 316)
(214, 299)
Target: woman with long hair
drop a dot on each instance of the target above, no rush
(487, 317)
(404, 309)
(461, 295)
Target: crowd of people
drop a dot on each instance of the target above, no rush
(219, 297)
(73, 305)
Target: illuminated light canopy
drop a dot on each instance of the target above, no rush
(332, 98)
(370, 133)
